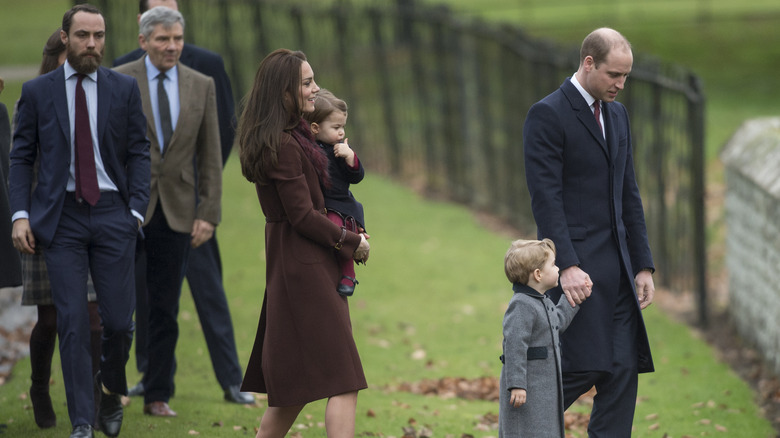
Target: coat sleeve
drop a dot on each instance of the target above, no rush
(543, 150)
(296, 198)
(565, 313)
(353, 174)
(226, 107)
(633, 213)
(518, 327)
(209, 159)
(24, 151)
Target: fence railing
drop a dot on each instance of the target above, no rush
(439, 103)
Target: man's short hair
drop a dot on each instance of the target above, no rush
(600, 42)
(159, 15)
(67, 19)
(525, 256)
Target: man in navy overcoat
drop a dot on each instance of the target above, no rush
(584, 196)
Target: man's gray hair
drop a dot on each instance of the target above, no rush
(159, 15)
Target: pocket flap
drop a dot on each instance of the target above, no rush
(537, 353)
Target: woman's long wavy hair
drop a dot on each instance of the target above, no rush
(51, 53)
(271, 107)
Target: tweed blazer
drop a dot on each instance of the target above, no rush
(193, 159)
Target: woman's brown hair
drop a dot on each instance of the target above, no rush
(51, 53)
(271, 107)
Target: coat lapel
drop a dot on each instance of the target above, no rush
(139, 72)
(610, 120)
(105, 85)
(185, 94)
(584, 113)
(57, 90)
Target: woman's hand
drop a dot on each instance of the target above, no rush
(361, 253)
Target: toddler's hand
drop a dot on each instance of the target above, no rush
(342, 150)
(517, 397)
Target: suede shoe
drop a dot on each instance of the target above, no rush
(83, 431)
(159, 409)
(233, 394)
(110, 413)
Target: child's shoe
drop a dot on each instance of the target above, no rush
(345, 288)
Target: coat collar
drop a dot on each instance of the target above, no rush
(520, 288)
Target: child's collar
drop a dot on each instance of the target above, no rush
(526, 289)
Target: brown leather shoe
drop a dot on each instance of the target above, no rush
(159, 409)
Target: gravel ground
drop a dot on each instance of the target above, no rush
(16, 322)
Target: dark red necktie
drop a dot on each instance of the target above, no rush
(86, 174)
(597, 113)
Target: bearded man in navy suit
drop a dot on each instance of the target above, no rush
(85, 224)
(584, 196)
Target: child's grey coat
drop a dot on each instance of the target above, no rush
(532, 361)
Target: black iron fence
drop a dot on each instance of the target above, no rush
(439, 102)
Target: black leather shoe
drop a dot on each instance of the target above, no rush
(83, 431)
(110, 411)
(233, 394)
(347, 290)
(137, 390)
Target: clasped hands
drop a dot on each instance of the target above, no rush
(576, 285)
(361, 253)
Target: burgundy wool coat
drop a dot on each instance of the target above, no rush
(304, 349)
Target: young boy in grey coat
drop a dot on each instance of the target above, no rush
(531, 399)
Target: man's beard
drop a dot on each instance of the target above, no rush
(85, 64)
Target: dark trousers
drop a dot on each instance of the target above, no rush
(204, 276)
(613, 406)
(100, 239)
(165, 252)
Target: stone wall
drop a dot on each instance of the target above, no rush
(752, 208)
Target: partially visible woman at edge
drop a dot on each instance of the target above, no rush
(304, 349)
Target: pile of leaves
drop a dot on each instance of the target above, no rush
(482, 388)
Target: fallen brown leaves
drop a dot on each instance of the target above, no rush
(481, 388)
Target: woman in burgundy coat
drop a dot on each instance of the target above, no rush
(304, 349)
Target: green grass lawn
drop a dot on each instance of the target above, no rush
(429, 305)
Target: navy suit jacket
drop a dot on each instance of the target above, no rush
(43, 133)
(584, 197)
(210, 64)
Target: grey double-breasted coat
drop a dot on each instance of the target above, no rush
(532, 361)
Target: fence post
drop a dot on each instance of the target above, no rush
(696, 132)
(260, 39)
(387, 98)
